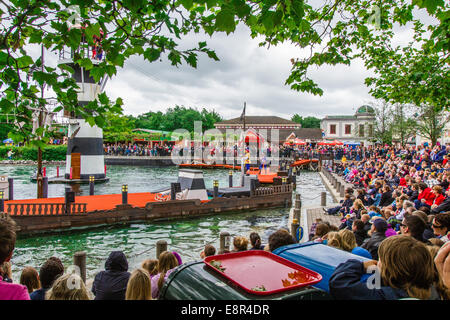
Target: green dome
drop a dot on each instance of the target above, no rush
(365, 109)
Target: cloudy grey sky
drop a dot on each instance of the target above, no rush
(245, 72)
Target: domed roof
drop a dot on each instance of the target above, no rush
(365, 109)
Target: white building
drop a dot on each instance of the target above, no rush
(355, 128)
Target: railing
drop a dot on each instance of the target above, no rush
(44, 209)
(263, 191)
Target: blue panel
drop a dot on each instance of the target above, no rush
(317, 257)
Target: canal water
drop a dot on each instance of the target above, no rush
(137, 240)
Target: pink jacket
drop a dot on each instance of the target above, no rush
(12, 291)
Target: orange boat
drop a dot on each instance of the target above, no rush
(208, 166)
(302, 162)
(264, 176)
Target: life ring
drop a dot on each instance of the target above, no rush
(299, 234)
(161, 197)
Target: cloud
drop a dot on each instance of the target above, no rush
(246, 72)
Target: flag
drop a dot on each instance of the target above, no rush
(243, 113)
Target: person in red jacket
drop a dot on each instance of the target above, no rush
(426, 196)
(439, 193)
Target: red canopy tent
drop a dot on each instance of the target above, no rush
(299, 142)
(338, 143)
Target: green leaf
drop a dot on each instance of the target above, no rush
(298, 8)
(187, 4)
(225, 21)
(86, 63)
(24, 61)
(152, 54)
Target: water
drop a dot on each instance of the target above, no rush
(137, 241)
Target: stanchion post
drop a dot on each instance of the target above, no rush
(79, 259)
(125, 194)
(161, 246)
(2, 201)
(10, 188)
(230, 178)
(342, 191)
(57, 171)
(91, 185)
(224, 242)
(323, 199)
(215, 188)
(338, 186)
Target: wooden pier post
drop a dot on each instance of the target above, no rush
(44, 187)
(224, 242)
(294, 226)
(79, 259)
(10, 189)
(297, 207)
(161, 246)
(323, 199)
(91, 185)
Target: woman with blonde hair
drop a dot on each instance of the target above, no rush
(151, 265)
(166, 263)
(348, 240)
(240, 244)
(334, 239)
(405, 270)
(139, 286)
(69, 286)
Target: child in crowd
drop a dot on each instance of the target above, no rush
(139, 286)
(30, 279)
(151, 265)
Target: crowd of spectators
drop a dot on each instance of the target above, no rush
(396, 215)
(135, 149)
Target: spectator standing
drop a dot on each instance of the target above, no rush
(166, 263)
(240, 244)
(69, 286)
(151, 265)
(209, 250)
(111, 284)
(30, 278)
(279, 238)
(255, 241)
(139, 286)
(9, 291)
(51, 270)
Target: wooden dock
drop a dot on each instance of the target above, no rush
(308, 215)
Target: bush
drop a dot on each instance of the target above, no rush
(50, 153)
